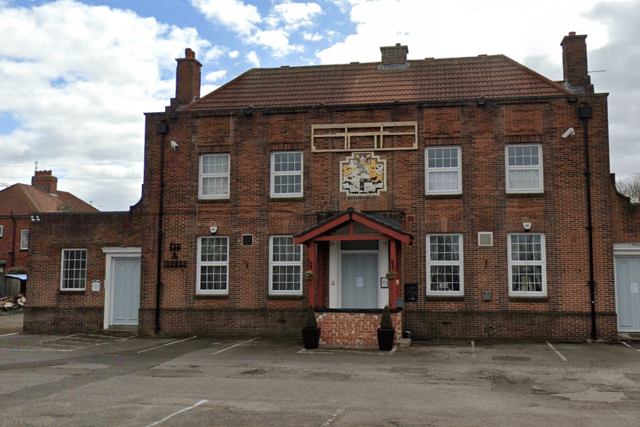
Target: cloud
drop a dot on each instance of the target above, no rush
(277, 41)
(234, 54)
(233, 14)
(312, 37)
(295, 15)
(253, 58)
(76, 79)
(216, 75)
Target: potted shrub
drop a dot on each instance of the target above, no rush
(308, 274)
(391, 275)
(310, 332)
(386, 332)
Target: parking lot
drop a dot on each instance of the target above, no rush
(96, 380)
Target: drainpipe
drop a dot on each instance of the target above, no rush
(585, 112)
(162, 129)
(12, 253)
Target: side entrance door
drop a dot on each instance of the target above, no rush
(359, 282)
(627, 293)
(126, 291)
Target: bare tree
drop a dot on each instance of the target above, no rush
(630, 187)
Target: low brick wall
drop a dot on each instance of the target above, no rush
(354, 329)
(54, 320)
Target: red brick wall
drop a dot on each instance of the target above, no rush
(10, 241)
(354, 329)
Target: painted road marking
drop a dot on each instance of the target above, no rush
(170, 343)
(473, 349)
(178, 412)
(557, 352)
(333, 417)
(631, 347)
(70, 343)
(229, 348)
(8, 335)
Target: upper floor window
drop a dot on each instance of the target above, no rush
(443, 173)
(527, 265)
(214, 176)
(445, 272)
(286, 174)
(24, 240)
(73, 275)
(285, 265)
(1, 230)
(213, 265)
(524, 168)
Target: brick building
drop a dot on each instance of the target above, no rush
(21, 205)
(482, 186)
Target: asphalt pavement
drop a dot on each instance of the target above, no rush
(100, 380)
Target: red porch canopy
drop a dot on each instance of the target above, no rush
(381, 229)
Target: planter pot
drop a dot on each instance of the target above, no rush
(311, 338)
(385, 339)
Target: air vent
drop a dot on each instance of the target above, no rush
(247, 240)
(485, 238)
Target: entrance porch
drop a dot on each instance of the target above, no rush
(354, 271)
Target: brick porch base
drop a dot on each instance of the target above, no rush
(345, 329)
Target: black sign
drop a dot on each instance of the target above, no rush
(411, 292)
(175, 264)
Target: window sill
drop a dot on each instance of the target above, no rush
(532, 298)
(72, 291)
(515, 195)
(228, 199)
(212, 296)
(443, 196)
(284, 297)
(444, 298)
(286, 199)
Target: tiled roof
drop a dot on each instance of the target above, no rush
(22, 199)
(483, 76)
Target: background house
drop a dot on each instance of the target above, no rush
(481, 184)
(21, 205)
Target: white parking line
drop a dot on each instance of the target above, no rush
(557, 352)
(624, 343)
(333, 417)
(69, 343)
(473, 349)
(229, 348)
(170, 343)
(178, 412)
(8, 335)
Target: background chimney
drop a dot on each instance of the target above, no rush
(394, 55)
(45, 181)
(574, 63)
(187, 79)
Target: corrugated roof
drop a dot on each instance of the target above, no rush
(23, 199)
(495, 76)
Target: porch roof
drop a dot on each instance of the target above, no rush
(385, 227)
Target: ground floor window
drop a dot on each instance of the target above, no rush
(527, 265)
(285, 265)
(445, 264)
(213, 265)
(73, 275)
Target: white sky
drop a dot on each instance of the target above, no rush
(76, 77)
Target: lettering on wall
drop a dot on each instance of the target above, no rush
(174, 262)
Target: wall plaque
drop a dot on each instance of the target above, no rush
(363, 174)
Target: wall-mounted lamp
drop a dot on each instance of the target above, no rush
(526, 226)
(35, 218)
(174, 145)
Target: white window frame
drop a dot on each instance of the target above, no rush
(24, 240)
(437, 170)
(273, 264)
(201, 264)
(459, 263)
(524, 168)
(294, 173)
(542, 262)
(1, 230)
(202, 176)
(82, 277)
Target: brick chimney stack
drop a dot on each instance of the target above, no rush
(394, 55)
(187, 79)
(45, 181)
(574, 63)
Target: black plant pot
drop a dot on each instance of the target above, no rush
(311, 338)
(385, 339)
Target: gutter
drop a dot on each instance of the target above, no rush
(585, 112)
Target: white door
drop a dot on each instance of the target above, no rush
(627, 293)
(126, 291)
(359, 280)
